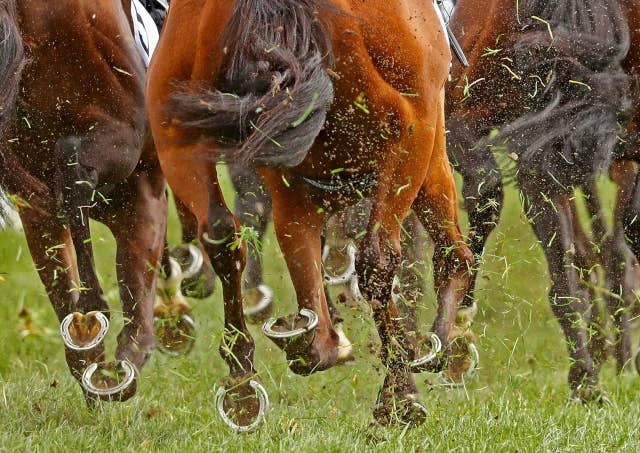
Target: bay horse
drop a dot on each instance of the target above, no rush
(554, 77)
(76, 147)
(332, 101)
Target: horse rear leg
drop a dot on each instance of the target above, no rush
(137, 219)
(552, 222)
(436, 207)
(253, 209)
(298, 225)
(241, 402)
(52, 251)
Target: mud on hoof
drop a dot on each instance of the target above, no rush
(83, 332)
(462, 359)
(175, 335)
(110, 381)
(242, 403)
(257, 304)
(590, 394)
(296, 336)
(339, 265)
(426, 352)
(198, 277)
(391, 409)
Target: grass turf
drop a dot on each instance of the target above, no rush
(519, 400)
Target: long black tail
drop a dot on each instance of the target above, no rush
(272, 96)
(13, 177)
(569, 53)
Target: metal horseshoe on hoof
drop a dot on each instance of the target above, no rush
(195, 263)
(311, 315)
(347, 275)
(475, 361)
(263, 303)
(263, 399)
(129, 377)
(189, 337)
(68, 340)
(436, 347)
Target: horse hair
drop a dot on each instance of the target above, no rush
(12, 61)
(273, 92)
(570, 133)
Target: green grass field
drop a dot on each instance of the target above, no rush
(518, 401)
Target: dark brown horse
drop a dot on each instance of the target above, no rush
(554, 77)
(76, 148)
(332, 101)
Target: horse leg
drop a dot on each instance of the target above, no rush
(436, 207)
(621, 265)
(298, 228)
(242, 400)
(482, 188)
(552, 222)
(199, 282)
(85, 326)
(137, 219)
(52, 251)
(253, 209)
(587, 263)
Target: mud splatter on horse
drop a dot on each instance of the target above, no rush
(79, 150)
(318, 95)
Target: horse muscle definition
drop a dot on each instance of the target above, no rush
(304, 92)
(79, 149)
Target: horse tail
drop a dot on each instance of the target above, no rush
(273, 91)
(570, 54)
(12, 60)
(13, 176)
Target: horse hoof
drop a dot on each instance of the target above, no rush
(82, 332)
(337, 269)
(286, 329)
(175, 335)
(245, 414)
(590, 394)
(461, 367)
(257, 306)
(197, 279)
(638, 362)
(110, 381)
(426, 362)
(296, 336)
(408, 411)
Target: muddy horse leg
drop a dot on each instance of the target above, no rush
(52, 251)
(436, 207)
(242, 400)
(552, 222)
(253, 209)
(137, 219)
